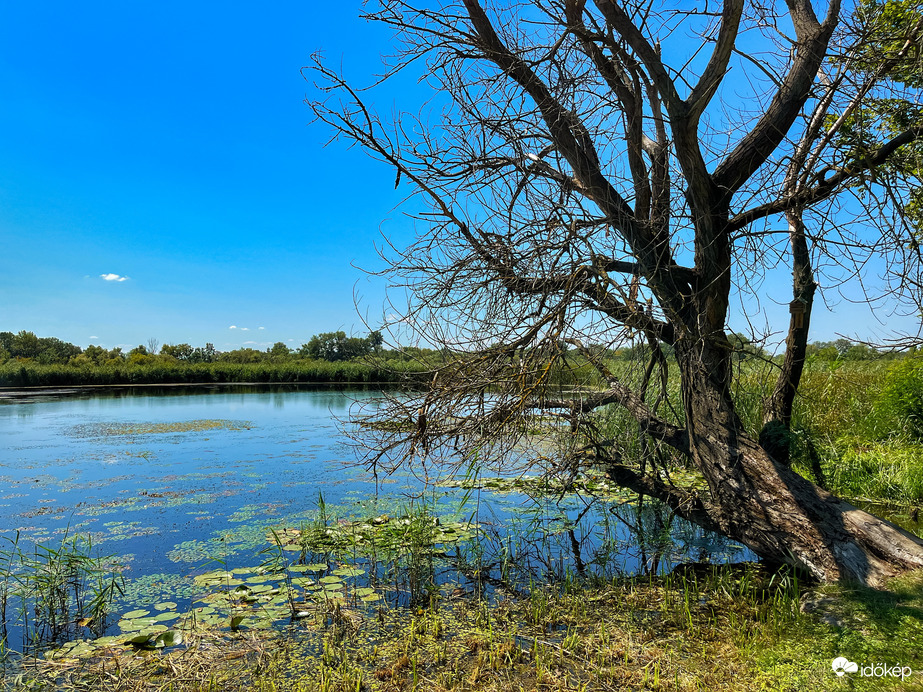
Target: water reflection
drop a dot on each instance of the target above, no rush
(178, 479)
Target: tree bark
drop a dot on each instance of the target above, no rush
(780, 404)
(765, 505)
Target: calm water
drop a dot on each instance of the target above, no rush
(134, 467)
(172, 480)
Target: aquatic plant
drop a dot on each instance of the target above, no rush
(56, 592)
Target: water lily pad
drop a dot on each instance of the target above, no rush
(168, 638)
(371, 598)
(348, 572)
(331, 597)
(138, 639)
(330, 580)
(167, 605)
(262, 578)
(108, 641)
(132, 614)
(261, 588)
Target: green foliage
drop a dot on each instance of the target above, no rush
(178, 351)
(844, 349)
(889, 34)
(163, 371)
(902, 396)
(890, 469)
(27, 346)
(335, 346)
(887, 27)
(279, 351)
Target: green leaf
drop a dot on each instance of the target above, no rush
(348, 572)
(168, 638)
(134, 614)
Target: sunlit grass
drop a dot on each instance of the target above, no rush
(700, 628)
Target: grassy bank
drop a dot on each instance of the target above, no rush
(735, 628)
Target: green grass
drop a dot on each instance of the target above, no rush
(702, 628)
(859, 419)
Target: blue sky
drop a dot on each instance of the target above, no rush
(168, 145)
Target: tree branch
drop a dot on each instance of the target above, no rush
(788, 101)
(617, 393)
(829, 186)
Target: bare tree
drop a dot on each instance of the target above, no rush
(591, 178)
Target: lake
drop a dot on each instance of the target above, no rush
(194, 488)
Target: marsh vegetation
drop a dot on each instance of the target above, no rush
(486, 581)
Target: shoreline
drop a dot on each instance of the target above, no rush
(58, 390)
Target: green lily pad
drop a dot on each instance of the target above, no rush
(138, 639)
(111, 640)
(133, 614)
(262, 578)
(168, 638)
(348, 572)
(167, 605)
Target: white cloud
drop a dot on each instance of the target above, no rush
(94, 337)
(261, 328)
(245, 329)
(233, 326)
(113, 277)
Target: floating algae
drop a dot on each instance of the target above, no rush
(126, 429)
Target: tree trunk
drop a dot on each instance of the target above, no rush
(765, 505)
(778, 408)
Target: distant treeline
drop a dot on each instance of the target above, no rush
(27, 360)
